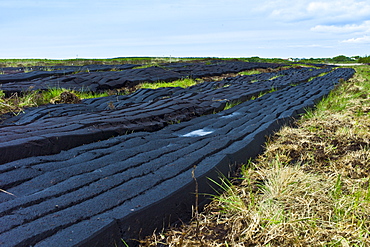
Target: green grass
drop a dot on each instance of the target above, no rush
(263, 93)
(17, 102)
(231, 104)
(322, 74)
(184, 83)
(274, 77)
(52, 93)
(249, 72)
(346, 95)
(146, 66)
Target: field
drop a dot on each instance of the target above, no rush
(111, 146)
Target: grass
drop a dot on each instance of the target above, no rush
(184, 83)
(158, 61)
(275, 77)
(263, 93)
(322, 74)
(231, 104)
(250, 72)
(311, 186)
(16, 103)
(146, 66)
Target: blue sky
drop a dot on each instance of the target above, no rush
(58, 29)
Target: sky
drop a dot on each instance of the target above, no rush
(61, 29)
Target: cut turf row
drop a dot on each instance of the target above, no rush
(50, 129)
(126, 78)
(104, 191)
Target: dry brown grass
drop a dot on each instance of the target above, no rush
(309, 188)
(16, 103)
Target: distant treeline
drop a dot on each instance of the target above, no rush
(364, 59)
(156, 60)
(337, 59)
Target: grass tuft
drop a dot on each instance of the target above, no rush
(16, 103)
(250, 72)
(184, 83)
(231, 104)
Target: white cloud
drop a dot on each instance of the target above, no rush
(328, 11)
(311, 46)
(363, 40)
(282, 9)
(340, 9)
(349, 28)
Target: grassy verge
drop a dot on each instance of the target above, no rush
(311, 186)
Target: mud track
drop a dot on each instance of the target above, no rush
(89, 174)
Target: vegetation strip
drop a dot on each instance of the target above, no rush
(309, 188)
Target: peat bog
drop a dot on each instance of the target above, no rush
(95, 170)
